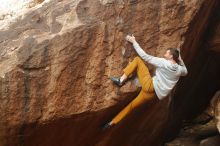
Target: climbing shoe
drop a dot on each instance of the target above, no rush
(107, 126)
(117, 81)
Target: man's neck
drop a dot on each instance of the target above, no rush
(172, 61)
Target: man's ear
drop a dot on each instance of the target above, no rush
(171, 56)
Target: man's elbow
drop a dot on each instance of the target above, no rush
(185, 73)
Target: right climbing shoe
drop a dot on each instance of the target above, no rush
(117, 81)
(107, 126)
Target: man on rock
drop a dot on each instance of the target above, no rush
(167, 73)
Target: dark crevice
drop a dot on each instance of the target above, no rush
(194, 92)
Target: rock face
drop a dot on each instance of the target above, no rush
(197, 135)
(56, 59)
(215, 104)
(202, 130)
(194, 93)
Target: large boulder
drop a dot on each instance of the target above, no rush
(56, 58)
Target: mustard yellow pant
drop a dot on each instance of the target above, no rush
(147, 92)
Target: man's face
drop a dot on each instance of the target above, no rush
(168, 55)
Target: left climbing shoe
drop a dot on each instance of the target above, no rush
(117, 81)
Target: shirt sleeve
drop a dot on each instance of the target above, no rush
(156, 61)
(183, 68)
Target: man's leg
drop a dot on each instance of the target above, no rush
(143, 73)
(147, 92)
(140, 99)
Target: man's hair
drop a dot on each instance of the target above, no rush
(175, 54)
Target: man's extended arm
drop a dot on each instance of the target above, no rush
(156, 61)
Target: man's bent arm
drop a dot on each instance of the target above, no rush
(184, 71)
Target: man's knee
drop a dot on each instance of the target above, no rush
(137, 58)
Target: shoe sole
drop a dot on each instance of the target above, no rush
(115, 82)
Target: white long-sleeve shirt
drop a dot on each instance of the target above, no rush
(166, 75)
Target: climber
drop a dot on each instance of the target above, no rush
(167, 73)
